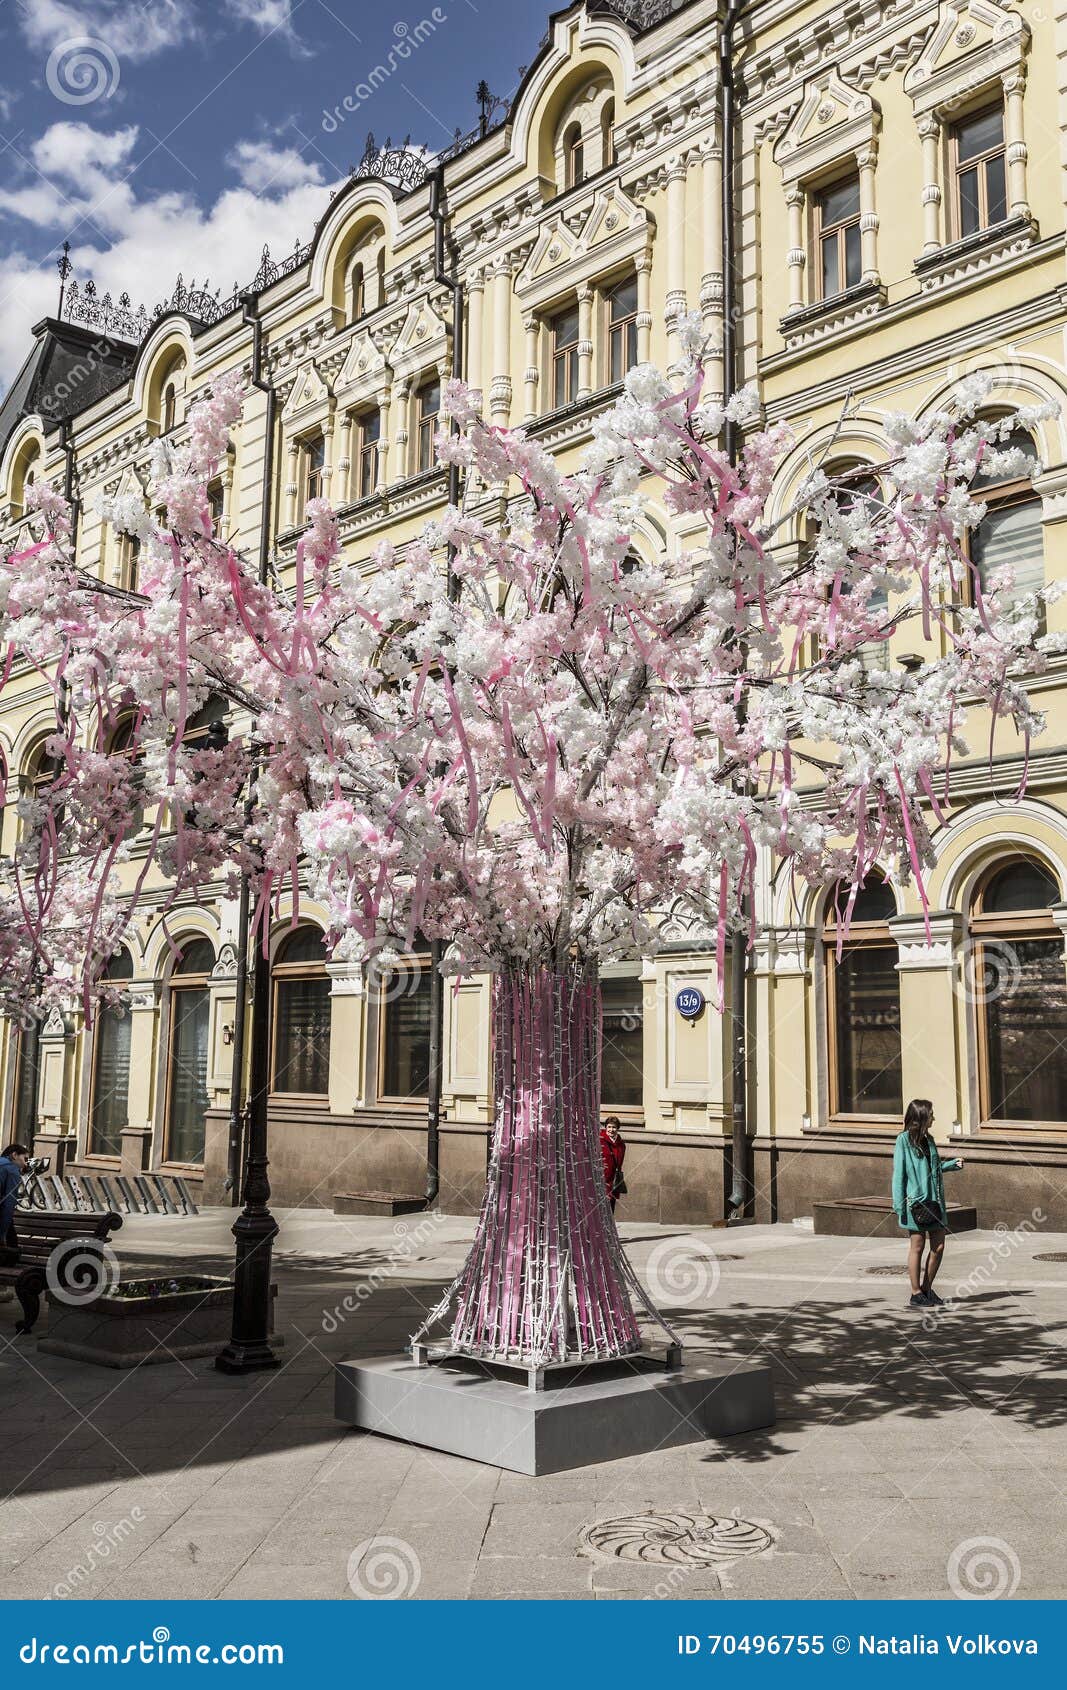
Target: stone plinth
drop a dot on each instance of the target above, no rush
(875, 1217)
(115, 1331)
(598, 1415)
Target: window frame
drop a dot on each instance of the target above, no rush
(998, 496)
(91, 1153)
(282, 971)
(861, 935)
(564, 358)
(622, 328)
(1016, 924)
(978, 163)
(419, 962)
(631, 1113)
(366, 454)
(177, 983)
(823, 232)
(313, 451)
(573, 156)
(426, 426)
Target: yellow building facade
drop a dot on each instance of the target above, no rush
(899, 224)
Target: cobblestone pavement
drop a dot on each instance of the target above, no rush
(906, 1461)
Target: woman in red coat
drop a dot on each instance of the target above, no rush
(613, 1152)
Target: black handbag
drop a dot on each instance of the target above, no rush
(926, 1216)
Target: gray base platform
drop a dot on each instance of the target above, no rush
(601, 1418)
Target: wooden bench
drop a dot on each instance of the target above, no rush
(26, 1268)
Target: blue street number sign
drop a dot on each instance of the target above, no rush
(689, 1002)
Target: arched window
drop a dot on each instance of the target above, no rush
(23, 476)
(1010, 532)
(357, 293)
(863, 1002)
(1020, 991)
(300, 1046)
(190, 1022)
(622, 1042)
(109, 1106)
(427, 413)
(170, 407)
(607, 134)
(379, 266)
(404, 1029)
(573, 156)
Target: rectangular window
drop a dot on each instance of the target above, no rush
(565, 357)
(368, 435)
(27, 1079)
(404, 1065)
(1011, 536)
(980, 195)
(866, 1027)
(302, 1035)
(426, 425)
(189, 1097)
(837, 238)
(1026, 1073)
(314, 464)
(622, 1043)
(622, 329)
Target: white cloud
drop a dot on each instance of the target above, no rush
(88, 192)
(264, 15)
(8, 96)
(132, 29)
(265, 168)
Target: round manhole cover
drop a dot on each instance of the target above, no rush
(1052, 1256)
(893, 1272)
(675, 1539)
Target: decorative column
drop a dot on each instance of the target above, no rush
(344, 461)
(930, 134)
(403, 400)
(644, 307)
(866, 158)
(532, 374)
(384, 408)
(929, 991)
(328, 452)
(57, 1042)
(711, 289)
(226, 516)
(475, 314)
(1015, 152)
(781, 973)
(348, 1005)
(796, 257)
(500, 386)
(585, 342)
(675, 302)
(292, 482)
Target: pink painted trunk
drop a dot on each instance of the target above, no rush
(546, 1279)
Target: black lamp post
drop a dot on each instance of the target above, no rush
(249, 1349)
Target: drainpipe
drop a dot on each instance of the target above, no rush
(741, 1186)
(453, 282)
(66, 441)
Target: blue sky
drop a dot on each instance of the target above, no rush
(167, 135)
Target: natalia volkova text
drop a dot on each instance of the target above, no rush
(982, 1645)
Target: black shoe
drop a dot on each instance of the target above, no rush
(934, 1300)
(918, 1301)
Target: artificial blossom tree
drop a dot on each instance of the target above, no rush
(587, 738)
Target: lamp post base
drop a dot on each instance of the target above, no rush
(249, 1349)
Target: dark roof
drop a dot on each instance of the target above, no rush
(68, 369)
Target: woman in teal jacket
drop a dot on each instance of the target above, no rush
(919, 1199)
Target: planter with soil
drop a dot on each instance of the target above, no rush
(172, 1317)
